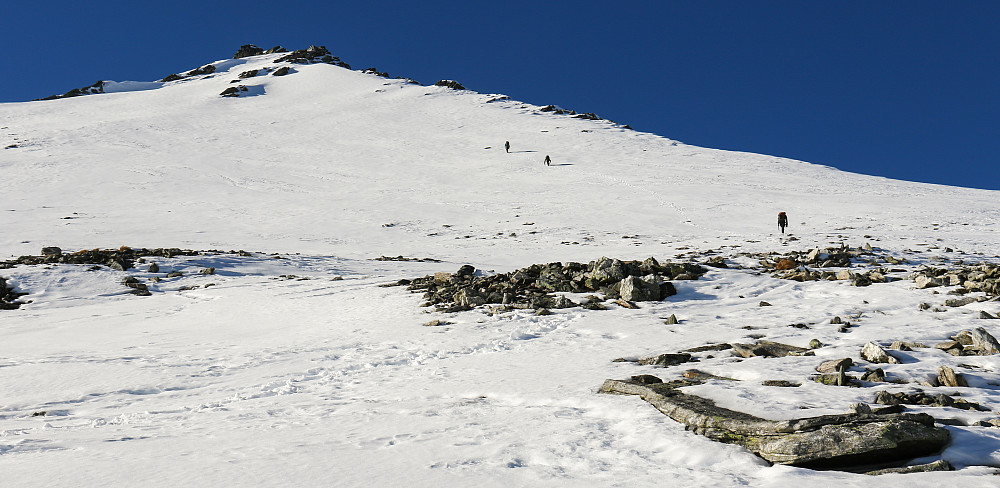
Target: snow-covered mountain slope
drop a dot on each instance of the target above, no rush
(266, 378)
(319, 160)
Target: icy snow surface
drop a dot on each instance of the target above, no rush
(269, 379)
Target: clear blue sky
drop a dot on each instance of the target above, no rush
(904, 89)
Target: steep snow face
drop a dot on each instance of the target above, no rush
(299, 369)
(328, 160)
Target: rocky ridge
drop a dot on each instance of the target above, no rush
(538, 285)
(311, 55)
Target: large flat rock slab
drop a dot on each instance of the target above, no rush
(849, 441)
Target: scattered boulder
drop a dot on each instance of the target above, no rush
(835, 365)
(636, 289)
(948, 377)
(51, 251)
(646, 379)
(665, 360)
(874, 353)
(672, 320)
(204, 70)
(785, 264)
(983, 342)
(954, 348)
(876, 375)
(137, 287)
(233, 91)
(921, 398)
(154, 268)
(769, 349)
(282, 71)
(959, 302)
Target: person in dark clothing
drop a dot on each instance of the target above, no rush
(506, 146)
(782, 221)
(548, 160)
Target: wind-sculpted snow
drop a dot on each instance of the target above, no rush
(292, 364)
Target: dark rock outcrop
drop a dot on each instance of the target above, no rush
(204, 70)
(534, 286)
(248, 50)
(770, 349)
(233, 91)
(311, 55)
(96, 88)
(454, 85)
(123, 258)
(9, 297)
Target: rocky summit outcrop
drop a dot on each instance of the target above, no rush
(845, 441)
(247, 50)
(311, 55)
(536, 285)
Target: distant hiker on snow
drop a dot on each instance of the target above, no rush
(782, 221)
(548, 160)
(506, 145)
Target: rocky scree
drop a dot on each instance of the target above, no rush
(534, 287)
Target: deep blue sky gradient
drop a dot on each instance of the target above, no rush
(904, 89)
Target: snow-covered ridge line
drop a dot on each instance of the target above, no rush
(312, 54)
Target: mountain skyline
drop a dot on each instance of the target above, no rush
(890, 89)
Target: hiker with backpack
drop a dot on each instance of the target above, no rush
(782, 221)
